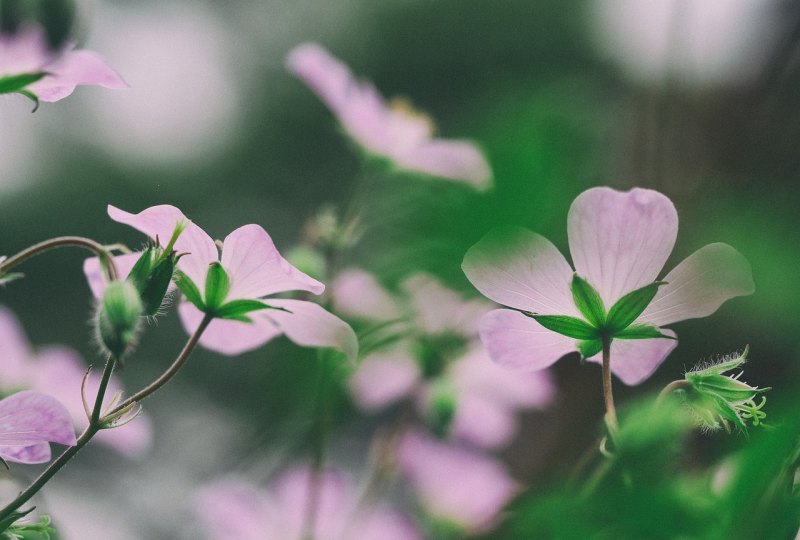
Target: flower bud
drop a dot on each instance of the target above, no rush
(119, 317)
(442, 407)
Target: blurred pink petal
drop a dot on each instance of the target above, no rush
(634, 360)
(233, 508)
(358, 294)
(15, 370)
(28, 419)
(619, 241)
(225, 336)
(454, 483)
(404, 137)
(439, 310)
(256, 269)
(383, 378)
(700, 284)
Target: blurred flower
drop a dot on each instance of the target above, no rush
(58, 372)
(49, 75)
(455, 484)
(29, 422)
(393, 131)
(235, 508)
(619, 243)
(254, 269)
(442, 347)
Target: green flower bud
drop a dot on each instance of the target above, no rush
(442, 407)
(119, 317)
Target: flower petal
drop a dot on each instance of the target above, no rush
(308, 324)
(17, 358)
(700, 284)
(356, 293)
(439, 309)
(327, 77)
(484, 422)
(523, 270)
(518, 342)
(449, 159)
(234, 508)
(634, 360)
(29, 455)
(256, 269)
(160, 221)
(227, 336)
(619, 241)
(383, 378)
(74, 68)
(28, 418)
(96, 277)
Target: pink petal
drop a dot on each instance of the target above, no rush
(516, 341)
(160, 221)
(439, 309)
(25, 51)
(455, 483)
(225, 336)
(383, 378)
(17, 365)
(358, 294)
(29, 455)
(382, 523)
(699, 285)
(256, 269)
(619, 241)
(28, 418)
(484, 422)
(634, 360)
(523, 270)
(74, 68)
(96, 277)
(308, 324)
(234, 508)
(450, 160)
(329, 78)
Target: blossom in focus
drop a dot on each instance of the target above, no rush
(58, 371)
(255, 270)
(29, 422)
(456, 484)
(28, 65)
(390, 130)
(236, 508)
(486, 397)
(619, 243)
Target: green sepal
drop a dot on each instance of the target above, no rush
(16, 83)
(590, 347)
(568, 326)
(141, 270)
(629, 307)
(8, 278)
(641, 331)
(155, 288)
(31, 96)
(588, 301)
(217, 286)
(189, 290)
(727, 388)
(719, 368)
(238, 309)
(12, 518)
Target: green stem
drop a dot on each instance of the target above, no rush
(679, 384)
(101, 392)
(63, 241)
(608, 395)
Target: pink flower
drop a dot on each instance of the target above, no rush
(392, 131)
(58, 371)
(454, 483)
(235, 508)
(26, 53)
(255, 270)
(29, 421)
(619, 243)
(487, 397)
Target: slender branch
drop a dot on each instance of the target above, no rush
(169, 373)
(101, 392)
(608, 395)
(63, 241)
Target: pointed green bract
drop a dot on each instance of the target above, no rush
(588, 301)
(189, 290)
(641, 331)
(217, 286)
(589, 348)
(629, 307)
(238, 309)
(719, 368)
(16, 83)
(568, 326)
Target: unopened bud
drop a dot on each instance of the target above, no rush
(119, 317)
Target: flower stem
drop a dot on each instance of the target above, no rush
(63, 241)
(101, 392)
(679, 384)
(608, 395)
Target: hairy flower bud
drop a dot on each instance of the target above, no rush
(119, 317)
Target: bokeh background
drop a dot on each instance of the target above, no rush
(699, 99)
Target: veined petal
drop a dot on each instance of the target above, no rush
(700, 284)
(96, 277)
(634, 360)
(28, 418)
(439, 309)
(619, 241)
(256, 269)
(75, 68)
(310, 325)
(228, 337)
(358, 294)
(160, 221)
(383, 378)
(29, 455)
(519, 342)
(449, 159)
(523, 270)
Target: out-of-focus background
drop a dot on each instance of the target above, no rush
(695, 98)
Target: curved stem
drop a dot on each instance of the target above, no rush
(679, 384)
(101, 392)
(608, 395)
(63, 241)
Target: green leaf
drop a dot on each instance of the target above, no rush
(16, 83)
(629, 307)
(237, 309)
(189, 290)
(568, 326)
(217, 286)
(590, 347)
(641, 331)
(588, 301)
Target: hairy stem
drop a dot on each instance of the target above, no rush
(679, 384)
(63, 241)
(608, 395)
